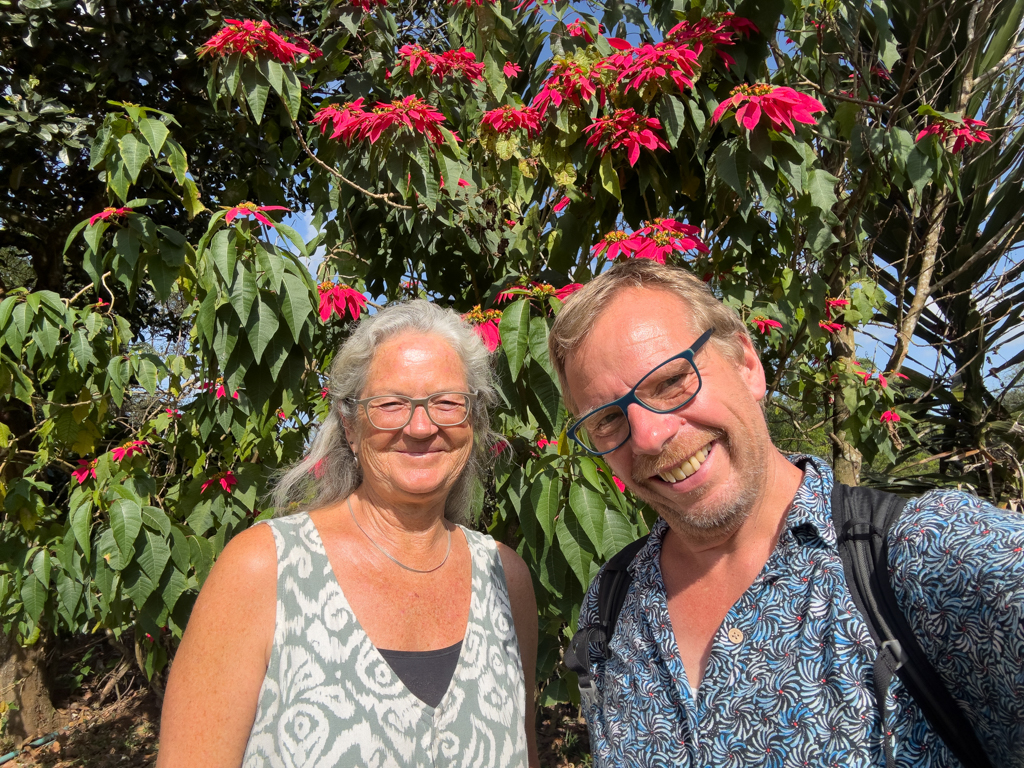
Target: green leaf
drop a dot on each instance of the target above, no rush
(193, 205)
(172, 586)
(610, 178)
(292, 235)
(296, 304)
(135, 154)
(243, 291)
(147, 375)
(589, 507)
(177, 160)
(125, 522)
(33, 596)
(262, 326)
(544, 493)
(571, 541)
(618, 532)
(495, 76)
(515, 334)
(256, 91)
(154, 555)
(155, 133)
(728, 167)
(673, 117)
(292, 93)
(821, 188)
(539, 343)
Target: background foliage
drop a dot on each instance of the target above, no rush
(158, 364)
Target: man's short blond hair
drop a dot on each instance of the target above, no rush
(582, 309)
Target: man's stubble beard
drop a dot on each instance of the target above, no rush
(702, 526)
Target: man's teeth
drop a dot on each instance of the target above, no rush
(687, 468)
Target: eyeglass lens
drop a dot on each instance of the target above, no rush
(669, 386)
(445, 409)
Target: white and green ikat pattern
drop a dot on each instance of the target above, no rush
(330, 699)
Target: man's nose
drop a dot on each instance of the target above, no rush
(649, 431)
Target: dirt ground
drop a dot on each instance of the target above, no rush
(124, 734)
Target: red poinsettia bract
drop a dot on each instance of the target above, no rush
(128, 450)
(764, 324)
(654, 64)
(86, 469)
(505, 120)
(485, 324)
(781, 105)
(969, 132)
(367, 5)
(256, 211)
(717, 30)
(511, 70)
(579, 29)
(889, 417)
(340, 299)
(411, 113)
(568, 81)
(225, 480)
(657, 240)
(626, 129)
(440, 64)
(108, 213)
(250, 37)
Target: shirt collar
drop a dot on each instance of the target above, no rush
(809, 519)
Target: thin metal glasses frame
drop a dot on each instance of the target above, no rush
(630, 397)
(414, 403)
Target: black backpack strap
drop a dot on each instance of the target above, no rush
(862, 518)
(611, 593)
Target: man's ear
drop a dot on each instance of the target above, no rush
(751, 370)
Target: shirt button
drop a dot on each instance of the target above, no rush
(736, 635)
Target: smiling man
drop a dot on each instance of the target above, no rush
(739, 643)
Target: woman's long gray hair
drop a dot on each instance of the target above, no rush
(330, 472)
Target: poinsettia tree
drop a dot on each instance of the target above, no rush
(494, 157)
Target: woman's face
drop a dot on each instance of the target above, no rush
(421, 462)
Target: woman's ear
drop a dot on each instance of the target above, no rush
(350, 433)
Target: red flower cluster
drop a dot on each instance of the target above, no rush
(351, 122)
(504, 120)
(340, 299)
(440, 64)
(367, 5)
(250, 37)
(781, 105)
(626, 129)
(717, 30)
(256, 211)
(561, 204)
(128, 450)
(889, 417)
(655, 241)
(510, 69)
(218, 385)
(579, 29)
(485, 324)
(568, 81)
(469, 3)
(654, 64)
(764, 324)
(537, 291)
(108, 213)
(968, 132)
(225, 480)
(86, 469)
(830, 327)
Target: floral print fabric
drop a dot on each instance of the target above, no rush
(788, 681)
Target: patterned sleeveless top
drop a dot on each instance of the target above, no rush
(330, 699)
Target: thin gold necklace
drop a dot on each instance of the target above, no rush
(391, 557)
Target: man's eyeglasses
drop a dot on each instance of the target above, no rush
(666, 388)
(394, 412)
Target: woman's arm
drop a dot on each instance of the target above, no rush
(217, 672)
(524, 616)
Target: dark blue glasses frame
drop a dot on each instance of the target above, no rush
(630, 397)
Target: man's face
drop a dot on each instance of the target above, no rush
(701, 467)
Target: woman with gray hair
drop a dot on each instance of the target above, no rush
(371, 629)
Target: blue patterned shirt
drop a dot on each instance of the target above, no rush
(789, 678)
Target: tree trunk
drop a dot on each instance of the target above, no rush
(25, 691)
